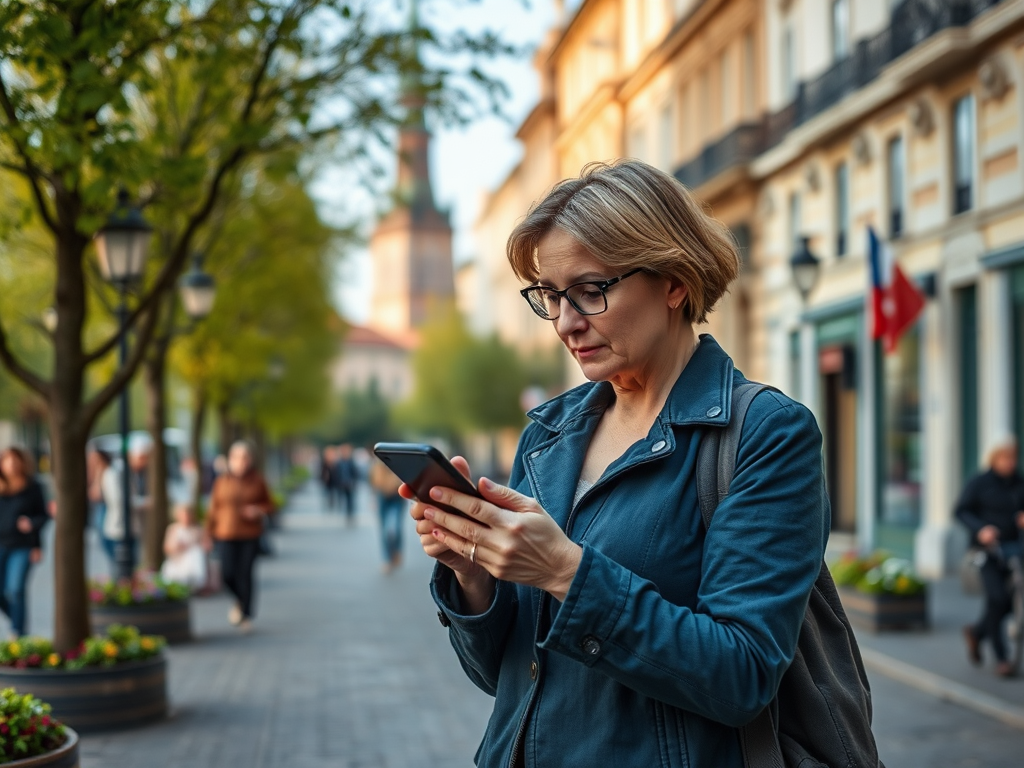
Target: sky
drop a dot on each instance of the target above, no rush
(465, 162)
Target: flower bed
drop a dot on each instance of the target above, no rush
(120, 644)
(880, 592)
(142, 589)
(26, 727)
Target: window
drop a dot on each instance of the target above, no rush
(963, 154)
(794, 222)
(725, 88)
(840, 29)
(665, 136)
(704, 109)
(896, 186)
(788, 63)
(842, 209)
(749, 76)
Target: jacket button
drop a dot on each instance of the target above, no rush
(658, 446)
(591, 645)
(712, 412)
(533, 670)
(443, 618)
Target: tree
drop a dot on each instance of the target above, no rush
(78, 90)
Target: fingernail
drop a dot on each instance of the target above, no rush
(435, 494)
(437, 534)
(428, 513)
(486, 484)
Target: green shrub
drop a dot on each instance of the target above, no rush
(26, 727)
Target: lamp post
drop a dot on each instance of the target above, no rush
(197, 290)
(122, 246)
(805, 266)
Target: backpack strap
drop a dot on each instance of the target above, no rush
(716, 463)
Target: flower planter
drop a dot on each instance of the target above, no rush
(65, 756)
(170, 618)
(880, 612)
(97, 698)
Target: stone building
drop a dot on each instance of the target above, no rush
(816, 119)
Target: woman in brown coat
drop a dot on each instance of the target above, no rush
(238, 503)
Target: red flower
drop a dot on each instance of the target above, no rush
(47, 721)
(34, 660)
(21, 664)
(5, 728)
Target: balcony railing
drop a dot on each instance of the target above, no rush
(913, 22)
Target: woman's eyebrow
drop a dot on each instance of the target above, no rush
(586, 277)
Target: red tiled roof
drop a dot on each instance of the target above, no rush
(362, 336)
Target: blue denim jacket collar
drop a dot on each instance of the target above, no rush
(702, 396)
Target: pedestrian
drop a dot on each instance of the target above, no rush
(185, 561)
(238, 503)
(587, 597)
(327, 459)
(94, 467)
(390, 506)
(112, 486)
(22, 516)
(991, 506)
(345, 476)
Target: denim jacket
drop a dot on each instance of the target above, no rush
(671, 636)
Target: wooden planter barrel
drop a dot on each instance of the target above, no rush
(883, 612)
(65, 756)
(97, 698)
(170, 618)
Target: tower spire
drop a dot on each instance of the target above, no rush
(413, 142)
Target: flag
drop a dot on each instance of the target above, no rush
(895, 301)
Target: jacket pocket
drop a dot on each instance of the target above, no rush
(671, 734)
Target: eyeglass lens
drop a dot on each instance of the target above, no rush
(586, 298)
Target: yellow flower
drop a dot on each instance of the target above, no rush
(14, 648)
(53, 659)
(147, 644)
(110, 649)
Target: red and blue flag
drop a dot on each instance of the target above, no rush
(895, 301)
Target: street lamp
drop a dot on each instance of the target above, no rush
(805, 266)
(197, 290)
(122, 246)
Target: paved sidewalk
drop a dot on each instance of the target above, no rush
(350, 668)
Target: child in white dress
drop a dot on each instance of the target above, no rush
(183, 547)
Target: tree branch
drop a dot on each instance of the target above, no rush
(33, 174)
(36, 383)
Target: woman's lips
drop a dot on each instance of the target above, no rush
(584, 352)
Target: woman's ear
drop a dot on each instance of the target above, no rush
(677, 293)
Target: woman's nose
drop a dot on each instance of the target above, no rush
(569, 319)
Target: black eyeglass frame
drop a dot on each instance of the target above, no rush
(601, 285)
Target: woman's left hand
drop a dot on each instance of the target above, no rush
(24, 524)
(36, 555)
(515, 539)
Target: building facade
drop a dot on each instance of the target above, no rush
(818, 119)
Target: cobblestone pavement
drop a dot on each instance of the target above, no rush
(350, 668)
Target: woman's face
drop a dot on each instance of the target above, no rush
(624, 341)
(10, 466)
(239, 460)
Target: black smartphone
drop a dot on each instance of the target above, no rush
(421, 467)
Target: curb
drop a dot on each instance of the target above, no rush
(943, 688)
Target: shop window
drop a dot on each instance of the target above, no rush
(963, 154)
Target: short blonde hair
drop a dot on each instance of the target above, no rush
(629, 214)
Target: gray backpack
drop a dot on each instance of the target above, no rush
(821, 716)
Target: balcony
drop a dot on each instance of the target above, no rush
(913, 22)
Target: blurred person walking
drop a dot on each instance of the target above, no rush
(391, 509)
(183, 547)
(327, 459)
(113, 518)
(346, 476)
(22, 517)
(238, 504)
(991, 506)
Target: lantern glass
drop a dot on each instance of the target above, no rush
(805, 266)
(122, 246)
(197, 299)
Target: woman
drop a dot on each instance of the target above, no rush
(992, 508)
(238, 503)
(587, 597)
(22, 517)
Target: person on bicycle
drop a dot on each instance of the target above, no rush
(992, 508)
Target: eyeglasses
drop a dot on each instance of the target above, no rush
(588, 298)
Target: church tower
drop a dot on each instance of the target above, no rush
(411, 246)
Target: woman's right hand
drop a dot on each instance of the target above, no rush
(476, 583)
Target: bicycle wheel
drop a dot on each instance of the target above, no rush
(1015, 621)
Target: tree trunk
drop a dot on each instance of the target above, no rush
(196, 444)
(225, 428)
(154, 377)
(68, 436)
